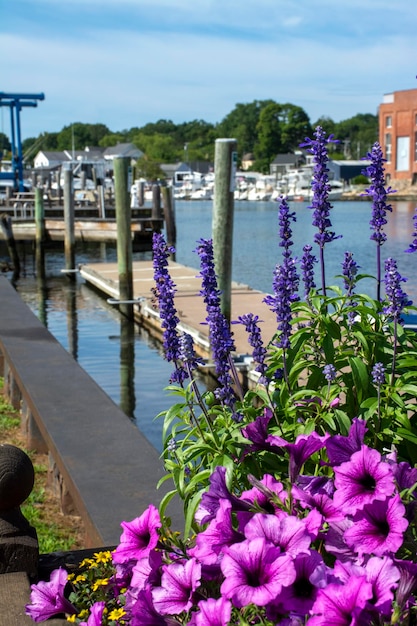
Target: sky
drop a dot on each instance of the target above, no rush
(125, 63)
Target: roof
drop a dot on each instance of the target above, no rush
(287, 159)
(123, 150)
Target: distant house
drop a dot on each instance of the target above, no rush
(283, 162)
(46, 159)
(123, 150)
(344, 171)
(176, 172)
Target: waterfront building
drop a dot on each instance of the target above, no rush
(398, 135)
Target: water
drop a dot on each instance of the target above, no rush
(125, 361)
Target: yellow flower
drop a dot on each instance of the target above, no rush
(78, 579)
(100, 582)
(87, 563)
(102, 557)
(116, 614)
(71, 618)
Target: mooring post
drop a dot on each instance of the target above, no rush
(225, 161)
(7, 228)
(124, 237)
(169, 214)
(69, 242)
(40, 233)
(156, 202)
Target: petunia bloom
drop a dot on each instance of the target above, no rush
(311, 575)
(139, 536)
(286, 532)
(213, 612)
(340, 448)
(178, 584)
(47, 598)
(341, 605)
(363, 480)
(96, 615)
(299, 451)
(379, 528)
(255, 572)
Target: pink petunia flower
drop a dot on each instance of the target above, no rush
(341, 605)
(178, 584)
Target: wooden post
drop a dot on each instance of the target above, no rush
(6, 226)
(127, 366)
(40, 233)
(169, 215)
(156, 202)
(141, 194)
(225, 158)
(124, 236)
(69, 242)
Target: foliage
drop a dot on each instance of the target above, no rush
(300, 494)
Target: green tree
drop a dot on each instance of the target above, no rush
(112, 139)
(148, 169)
(241, 124)
(5, 143)
(81, 135)
(357, 134)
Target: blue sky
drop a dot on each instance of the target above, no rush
(125, 63)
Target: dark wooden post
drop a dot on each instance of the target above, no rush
(6, 225)
(156, 202)
(169, 215)
(19, 550)
(40, 233)
(124, 236)
(69, 218)
(225, 159)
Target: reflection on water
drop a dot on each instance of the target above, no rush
(125, 361)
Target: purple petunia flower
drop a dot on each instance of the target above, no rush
(178, 584)
(255, 572)
(164, 291)
(139, 537)
(210, 501)
(300, 451)
(307, 270)
(407, 584)
(213, 612)
(47, 598)
(221, 339)
(143, 613)
(311, 575)
(218, 534)
(363, 480)
(340, 448)
(413, 245)
(287, 532)
(397, 298)
(341, 605)
(96, 615)
(257, 432)
(378, 528)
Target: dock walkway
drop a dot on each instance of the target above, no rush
(189, 304)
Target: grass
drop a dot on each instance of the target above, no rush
(42, 509)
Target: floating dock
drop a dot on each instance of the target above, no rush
(189, 304)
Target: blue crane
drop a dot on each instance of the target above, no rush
(15, 102)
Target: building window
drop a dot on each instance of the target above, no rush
(388, 150)
(388, 121)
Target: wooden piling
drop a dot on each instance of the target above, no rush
(69, 225)
(7, 228)
(40, 233)
(156, 202)
(169, 215)
(124, 238)
(225, 159)
(141, 193)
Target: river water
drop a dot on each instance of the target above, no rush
(125, 361)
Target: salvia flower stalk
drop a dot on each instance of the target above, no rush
(320, 204)
(380, 206)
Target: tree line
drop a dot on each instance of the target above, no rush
(262, 128)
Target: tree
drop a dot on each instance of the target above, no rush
(5, 143)
(81, 135)
(241, 124)
(148, 169)
(358, 134)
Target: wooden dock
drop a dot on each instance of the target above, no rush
(189, 304)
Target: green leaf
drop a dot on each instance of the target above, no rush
(360, 376)
(406, 434)
(165, 501)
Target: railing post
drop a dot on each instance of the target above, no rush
(69, 223)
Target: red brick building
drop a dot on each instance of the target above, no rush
(398, 134)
